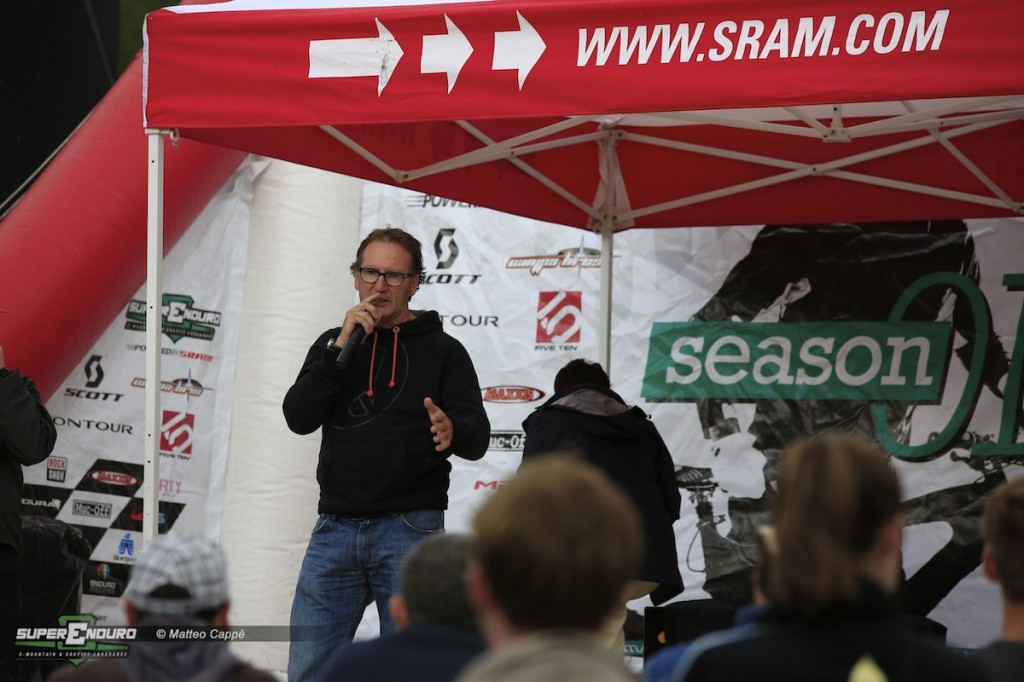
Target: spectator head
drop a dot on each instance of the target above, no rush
(434, 585)
(394, 235)
(581, 372)
(179, 576)
(554, 548)
(767, 551)
(1002, 526)
(836, 521)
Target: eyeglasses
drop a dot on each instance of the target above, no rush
(392, 279)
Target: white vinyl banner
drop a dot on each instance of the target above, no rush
(692, 309)
(93, 478)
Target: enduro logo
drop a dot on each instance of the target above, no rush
(76, 638)
(180, 318)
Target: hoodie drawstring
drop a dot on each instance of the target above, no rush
(373, 359)
(394, 360)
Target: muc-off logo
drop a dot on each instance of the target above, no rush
(507, 441)
(446, 249)
(559, 320)
(896, 360)
(94, 510)
(177, 431)
(181, 319)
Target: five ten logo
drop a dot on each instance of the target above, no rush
(176, 432)
(76, 638)
(559, 319)
(180, 318)
(447, 251)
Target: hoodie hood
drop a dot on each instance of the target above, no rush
(180, 660)
(604, 413)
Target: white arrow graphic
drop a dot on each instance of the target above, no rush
(356, 57)
(518, 50)
(446, 53)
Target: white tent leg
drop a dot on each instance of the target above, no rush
(154, 332)
(604, 347)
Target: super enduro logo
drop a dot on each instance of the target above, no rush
(895, 360)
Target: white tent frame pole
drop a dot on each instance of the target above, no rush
(604, 344)
(154, 332)
(533, 173)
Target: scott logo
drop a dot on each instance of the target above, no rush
(176, 432)
(93, 372)
(559, 317)
(511, 394)
(445, 245)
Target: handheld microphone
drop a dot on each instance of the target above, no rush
(346, 352)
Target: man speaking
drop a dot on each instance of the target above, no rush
(391, 410)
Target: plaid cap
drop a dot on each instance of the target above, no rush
(194, 566)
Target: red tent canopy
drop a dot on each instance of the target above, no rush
(643, 113)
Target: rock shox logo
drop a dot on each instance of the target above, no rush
(446, 249)
(176, 433)
(180, 318)
(581, 257)
(511, 394)
(896, 360)
(559, 319)
(56, 468)
(76, 638)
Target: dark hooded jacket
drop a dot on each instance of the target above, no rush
(623, 442)
(376, 450)
(27, 436)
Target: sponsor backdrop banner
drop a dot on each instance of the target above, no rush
(93, 479)
(739, 339)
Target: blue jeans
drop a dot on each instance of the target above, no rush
(349, 563)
